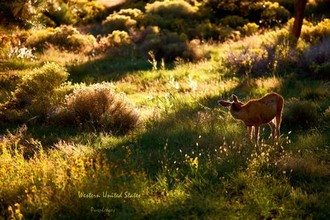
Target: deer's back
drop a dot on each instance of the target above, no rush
(263, 110)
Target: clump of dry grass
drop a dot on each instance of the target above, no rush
(97, 107)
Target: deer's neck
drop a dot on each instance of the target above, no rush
(238, 112)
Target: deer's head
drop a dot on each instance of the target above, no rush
(235, 104)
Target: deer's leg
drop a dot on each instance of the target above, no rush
(278, 120)
(250, 128)
(257, 131)
(273, 129)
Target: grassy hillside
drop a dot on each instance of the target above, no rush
(120, 120)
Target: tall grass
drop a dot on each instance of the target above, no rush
(57, 182)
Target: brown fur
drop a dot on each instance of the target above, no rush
(266, 110)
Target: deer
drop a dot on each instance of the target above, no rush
(256, 112)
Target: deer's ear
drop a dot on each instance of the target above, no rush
(235, 98)
(224, 103)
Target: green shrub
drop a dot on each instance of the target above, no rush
(265, 13)
(274, 13)
(115, 39)
(173, 9)
(39, 38)
(118, 22)
(250, 61)
(90, 12)
(98, 107)
(60, 13)
(249, 29)
(233, 21)
(124, 20)
(134, 13)
(169, 45)
(301, 114)
(178, 25)
(175, 16)
(80, 42)
(64, 37)
(207, 30)
(34, 94)
(317, 33)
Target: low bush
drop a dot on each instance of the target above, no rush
(170, 45)
(273, 13)
(64, 37)
(178, 25)
(250, 61)
(314, 34)
(301, 114)
(172, 9)
(39, 38)
(265, 13)
(269, 54)
(249, 29)
(134, 13)
(90, 12)
(59, 13)
(34, 94)
(117, 39)
(207, 30)
(97, 107)
(174, 16)
(315, 60)
(118, 22)
(233, 21)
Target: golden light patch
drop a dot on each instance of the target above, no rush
(269, 83)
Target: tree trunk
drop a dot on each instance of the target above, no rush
(298, 19)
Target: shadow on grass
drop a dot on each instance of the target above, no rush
(188, 132)
(109, 68)
(106, 69)
(48, 135)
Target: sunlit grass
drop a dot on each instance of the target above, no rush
(189, 158)
(52, 54)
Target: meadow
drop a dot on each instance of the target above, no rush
(110, 129)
